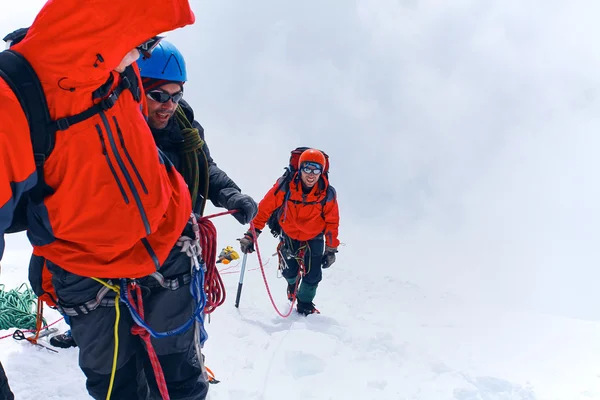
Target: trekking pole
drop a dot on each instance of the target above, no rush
(241, 282)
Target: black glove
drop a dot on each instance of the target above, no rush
(245, 204)
(328, 257)
(247, 242)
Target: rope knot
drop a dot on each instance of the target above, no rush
(138, 330)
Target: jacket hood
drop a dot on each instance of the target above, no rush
(74, 44)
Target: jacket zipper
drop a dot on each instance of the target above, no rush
(112, 168)
(150, 251)
(122, 140)
(126, 174)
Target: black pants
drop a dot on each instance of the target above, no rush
(5, 393)
(164, 310)
(313, 255)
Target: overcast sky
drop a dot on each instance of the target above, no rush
(463, 135)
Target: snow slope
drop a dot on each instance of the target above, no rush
(463, 148)
(378, 337)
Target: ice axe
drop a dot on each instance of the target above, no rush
(241, 281)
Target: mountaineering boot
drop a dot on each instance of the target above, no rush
(306, 308)
(291, 291)
(64, 340)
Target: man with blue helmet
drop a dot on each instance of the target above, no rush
(181, 138)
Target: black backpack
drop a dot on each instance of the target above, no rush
(20, 76)
(284, 185)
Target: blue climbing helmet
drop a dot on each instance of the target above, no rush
(166, 63)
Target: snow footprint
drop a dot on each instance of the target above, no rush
(302, 364)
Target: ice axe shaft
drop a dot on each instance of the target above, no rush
(241, 281)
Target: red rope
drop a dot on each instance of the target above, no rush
(219, 214)
(145, 336)
(213, 284)
(262, 270)
(32, 330)
(224, 271)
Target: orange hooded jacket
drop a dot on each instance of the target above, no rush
(116, 209)
(303, 216)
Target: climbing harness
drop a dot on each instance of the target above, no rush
(206, 288)
(201, 250)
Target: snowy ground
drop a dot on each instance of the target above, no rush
(463, 148)
(378, 337)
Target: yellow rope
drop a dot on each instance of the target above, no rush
(116, 352)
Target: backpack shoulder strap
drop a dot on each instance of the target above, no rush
(22, 79)
(284, 181)
(24, 82)
(329, 195)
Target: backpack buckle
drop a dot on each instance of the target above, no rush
(125, 83)
(109, 102)
(63, 124)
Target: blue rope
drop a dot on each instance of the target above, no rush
(199, 296)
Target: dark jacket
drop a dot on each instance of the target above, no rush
(170, 141)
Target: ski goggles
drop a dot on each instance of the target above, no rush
(148, 46)
(311, 168)
(162, 97)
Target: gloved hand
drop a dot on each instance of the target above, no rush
(245, 204)
(247, 242)
(328, 257)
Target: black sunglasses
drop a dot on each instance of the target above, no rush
(148, 46)
(163, 97)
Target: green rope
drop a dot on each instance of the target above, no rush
(18, 308)
(191, 149)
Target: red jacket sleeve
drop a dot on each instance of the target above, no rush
(267, 205)
(17, 168)
(332, 220)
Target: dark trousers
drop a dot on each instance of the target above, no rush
(5, 393)
(164, 310)
(313, 256)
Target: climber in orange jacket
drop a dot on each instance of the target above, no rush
(113, 206)
(98, 185)
(307, 212)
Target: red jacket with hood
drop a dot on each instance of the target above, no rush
(117, 209)
(303, 215)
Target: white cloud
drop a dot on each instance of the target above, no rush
(461, 133)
